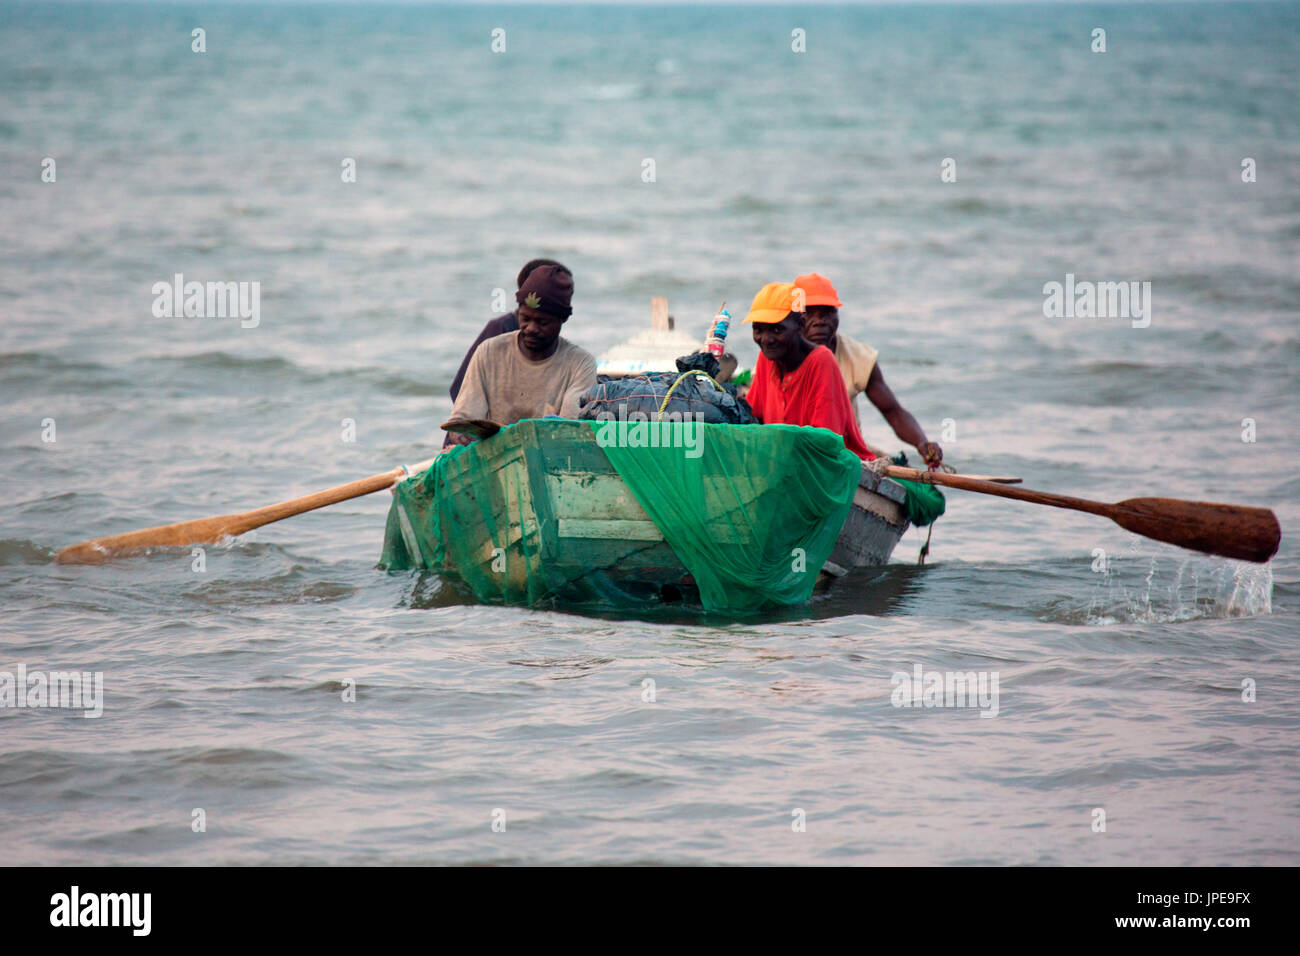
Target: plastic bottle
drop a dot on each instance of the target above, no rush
(716, 343)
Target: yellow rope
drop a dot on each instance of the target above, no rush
(681, 378)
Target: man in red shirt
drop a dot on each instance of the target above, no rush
(797, 382)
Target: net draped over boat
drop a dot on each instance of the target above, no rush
(755, 516)
(541, 509)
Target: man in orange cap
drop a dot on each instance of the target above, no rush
(857, 364)
(796, 382)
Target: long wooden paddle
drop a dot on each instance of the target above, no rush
(208, 530)
(1232, 531)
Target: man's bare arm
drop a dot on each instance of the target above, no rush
(904, 424)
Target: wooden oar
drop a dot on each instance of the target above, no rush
(208, 530)
(1232, 531)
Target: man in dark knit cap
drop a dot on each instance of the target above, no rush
(498, 326)
(531, 372)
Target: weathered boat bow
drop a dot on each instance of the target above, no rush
(538, 514)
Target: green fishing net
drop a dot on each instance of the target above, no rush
(754, 516)
(925, 503)
(630, 513)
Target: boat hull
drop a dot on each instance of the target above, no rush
(560, 526)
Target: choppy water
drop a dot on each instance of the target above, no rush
(224, 689)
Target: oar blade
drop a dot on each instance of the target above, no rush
(1230, 531)
(210, 530)
(99, 550)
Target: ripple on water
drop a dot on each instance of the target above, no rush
(22, 551)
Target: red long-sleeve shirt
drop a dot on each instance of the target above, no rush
(813, 395)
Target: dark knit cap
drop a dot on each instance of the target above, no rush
(548, 289)
(532, 264)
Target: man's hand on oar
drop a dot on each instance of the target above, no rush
(930, 453)
(1231, 531)
(470, 429)
(208, 530)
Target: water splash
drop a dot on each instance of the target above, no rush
(1180, 588)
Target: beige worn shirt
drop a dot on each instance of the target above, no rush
(856, 361)
(503, 386)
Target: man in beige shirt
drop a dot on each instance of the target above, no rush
(857, 361)
(533, 372)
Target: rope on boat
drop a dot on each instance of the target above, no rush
(925, 548)
(681, 378)
(879, 466)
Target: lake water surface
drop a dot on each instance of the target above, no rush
(1119, 689)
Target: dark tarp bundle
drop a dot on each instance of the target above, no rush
(693, 392)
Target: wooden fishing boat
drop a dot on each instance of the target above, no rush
(552, 521)
(576, 528)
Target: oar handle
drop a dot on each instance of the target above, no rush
(1002, 491)
(420, 467)
(249, 520)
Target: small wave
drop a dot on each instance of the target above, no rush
(1288, 489)
(167, 703)
(23, 77)
(227, 361)
(242, 209)
(226, 756)
(243, 768)
(974, 205)
(389, 380)
(286, 247)
(749, 203)
(1230, 285)
(271, 591)
(330, 687)
(22, 551)
(575, 663)
(24, 767)
(613, 91)
(385, 379)
(1217, 342)
(44, 362)
(1127, 383)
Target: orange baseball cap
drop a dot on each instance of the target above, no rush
(773, 303)
(818, 290)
